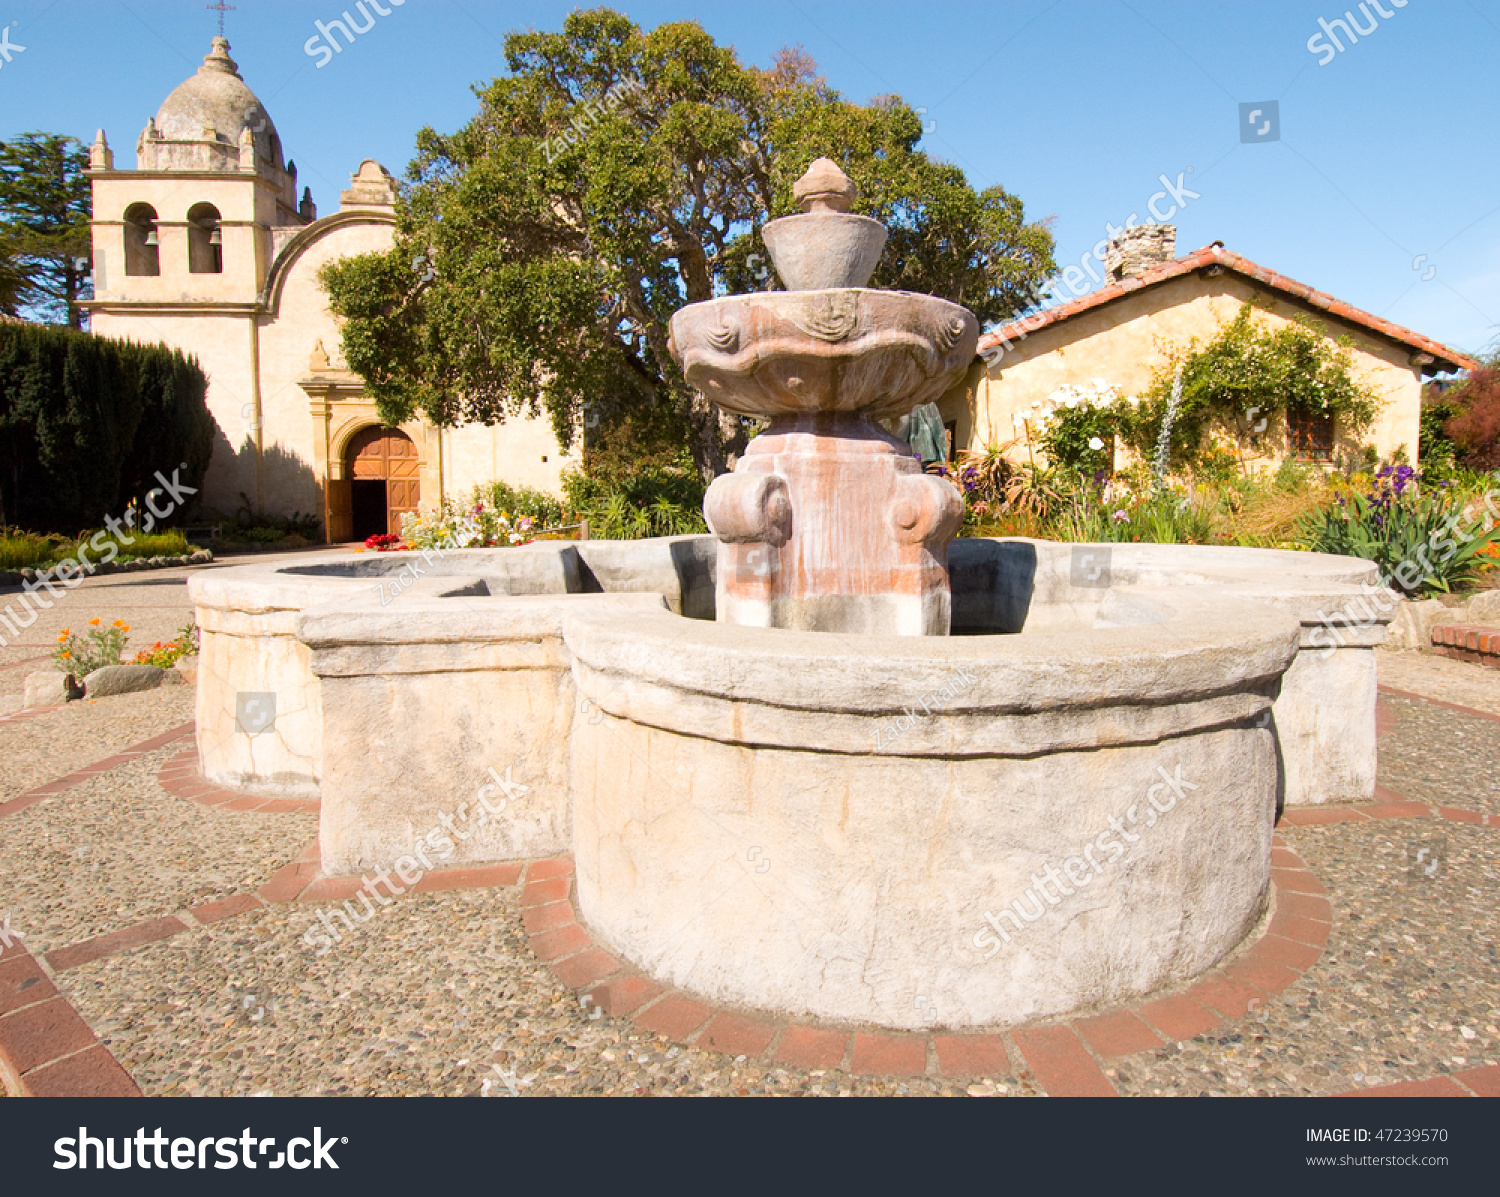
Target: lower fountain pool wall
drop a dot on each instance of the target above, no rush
(836, 835)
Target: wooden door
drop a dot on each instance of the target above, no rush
(388, 456)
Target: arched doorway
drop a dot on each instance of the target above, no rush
(384, 481)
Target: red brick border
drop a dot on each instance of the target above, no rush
(46, 1049)
(1394, 807)
(1066, 1058)
(1478, 644)
(89, 772)
(181, 776)
(1437, 702)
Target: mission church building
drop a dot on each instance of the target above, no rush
(206, 246)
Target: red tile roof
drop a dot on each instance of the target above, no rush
(1216, 255)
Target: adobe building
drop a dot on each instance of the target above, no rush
(206, 246)
(1153, 298)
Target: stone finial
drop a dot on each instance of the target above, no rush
(247, 148)
(824, 188)
(370, 186)
(101, 157)
(218, 59)
(317, 361)
(308, 210)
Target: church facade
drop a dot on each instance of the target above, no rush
(205, 246)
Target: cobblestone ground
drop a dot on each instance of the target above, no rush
(440, 994)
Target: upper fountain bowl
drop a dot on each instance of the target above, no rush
(850, 350)
(826, 344)
(821, 250)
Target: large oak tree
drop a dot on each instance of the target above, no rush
(612, 176)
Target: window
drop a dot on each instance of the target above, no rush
(142, 249)
(205, 240)
(1309, 434)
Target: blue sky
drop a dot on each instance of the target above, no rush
(1382, 189)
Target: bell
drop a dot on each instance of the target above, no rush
(216, 237)
(151, 238)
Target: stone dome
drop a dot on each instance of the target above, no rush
(217, 99)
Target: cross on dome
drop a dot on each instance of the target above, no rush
(222, 8)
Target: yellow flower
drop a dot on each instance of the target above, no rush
(93, 623)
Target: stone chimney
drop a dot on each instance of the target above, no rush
(1139, 248)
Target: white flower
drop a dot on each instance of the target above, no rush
(1095, 443)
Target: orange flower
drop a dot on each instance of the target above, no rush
(94, 623)
(66, 655)
(117, 624)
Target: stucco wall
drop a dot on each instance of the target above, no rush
(522, 452)
(1123, 342)
(213, 317)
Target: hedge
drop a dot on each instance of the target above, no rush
(86, 422)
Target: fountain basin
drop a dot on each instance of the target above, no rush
(823, 824)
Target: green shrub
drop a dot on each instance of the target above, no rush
(1428, 540)
(1148, 515)
(164, 656)
(1241, 381)
(19, 549)
(87, 422)
(545, 510)
(653, 501)
(96, 648)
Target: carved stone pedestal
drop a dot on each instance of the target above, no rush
(829, 525)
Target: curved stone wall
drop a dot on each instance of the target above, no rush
(828, 827)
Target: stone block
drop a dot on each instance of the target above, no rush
(1412, 626)
(122, 679)
(1485, 607)
(47, 687)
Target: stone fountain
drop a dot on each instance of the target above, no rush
(827, 523)
(825, 763)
